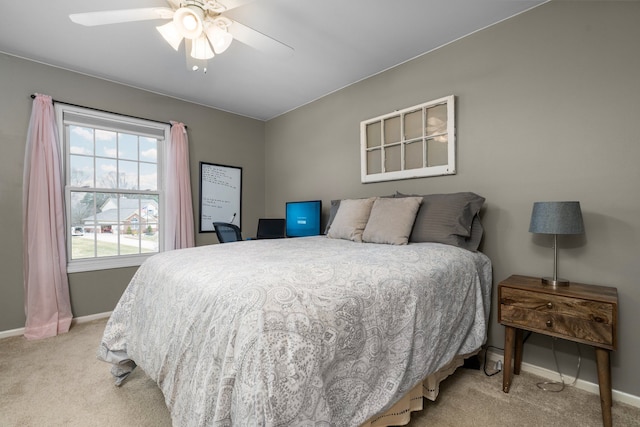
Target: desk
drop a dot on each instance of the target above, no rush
(587, 314)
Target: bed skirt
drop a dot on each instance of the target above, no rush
(400, 413)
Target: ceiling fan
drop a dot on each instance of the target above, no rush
(200, 23)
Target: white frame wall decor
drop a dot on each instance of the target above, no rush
(414, 142)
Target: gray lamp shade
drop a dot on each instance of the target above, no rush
(556, 218)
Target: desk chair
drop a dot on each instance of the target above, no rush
(227, 232)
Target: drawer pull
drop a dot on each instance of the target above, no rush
(549, 305)
(598, 319)
(549, 323)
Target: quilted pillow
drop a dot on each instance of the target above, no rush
(351, 219)
(391, 220)
(333, 210)
(335, 204)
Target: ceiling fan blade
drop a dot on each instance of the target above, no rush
(175, 4)
(232, 4)
(259, 41)
(91, 19)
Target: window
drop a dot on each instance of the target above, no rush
(113, 187)
(415, 142)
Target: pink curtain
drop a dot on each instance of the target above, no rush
(179, 209)
(46, 287)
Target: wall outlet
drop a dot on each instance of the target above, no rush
(498, 365)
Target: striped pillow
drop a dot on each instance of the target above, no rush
(448, 218)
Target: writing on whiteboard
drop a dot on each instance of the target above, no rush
(220, 193)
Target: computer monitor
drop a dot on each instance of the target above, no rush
(303, 218)
(270, 228)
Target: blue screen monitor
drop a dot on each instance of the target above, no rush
(303, 218)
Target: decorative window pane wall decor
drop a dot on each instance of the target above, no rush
(415, 142)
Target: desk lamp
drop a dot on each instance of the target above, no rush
(556, 218)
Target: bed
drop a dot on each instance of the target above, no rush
(304, 331)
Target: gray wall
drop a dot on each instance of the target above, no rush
(214, 136)
(547, 109)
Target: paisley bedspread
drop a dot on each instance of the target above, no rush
(296, 332)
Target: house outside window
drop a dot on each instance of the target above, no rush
(113, 187)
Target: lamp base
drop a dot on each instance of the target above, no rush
(554, 283)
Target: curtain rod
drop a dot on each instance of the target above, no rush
(33, 95)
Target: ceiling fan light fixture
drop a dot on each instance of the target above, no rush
(193, 64)
(200, 48)
(171, 34)
(219, 38)
(189, 21)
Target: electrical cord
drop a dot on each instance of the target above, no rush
(484, 367)
(499, 362)
(544, 384)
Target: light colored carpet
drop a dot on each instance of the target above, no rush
(59, 382)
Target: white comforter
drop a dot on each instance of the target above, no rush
(305, 331)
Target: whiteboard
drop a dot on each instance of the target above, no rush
(220, 195)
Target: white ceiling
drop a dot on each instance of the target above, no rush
(335, 42)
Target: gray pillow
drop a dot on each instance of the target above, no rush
(391, 220)
(472, 243)
(351, 219)
(448, 218)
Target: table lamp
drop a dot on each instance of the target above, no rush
(556, 218)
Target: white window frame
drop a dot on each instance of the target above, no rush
(425, 171)
(119, 123)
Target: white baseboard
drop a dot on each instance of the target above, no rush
(76, 320)
(91, 317)
(11, 333)
(617, 396)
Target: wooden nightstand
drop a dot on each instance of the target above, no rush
(587, 314)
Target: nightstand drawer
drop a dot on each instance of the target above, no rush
(588, 321)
